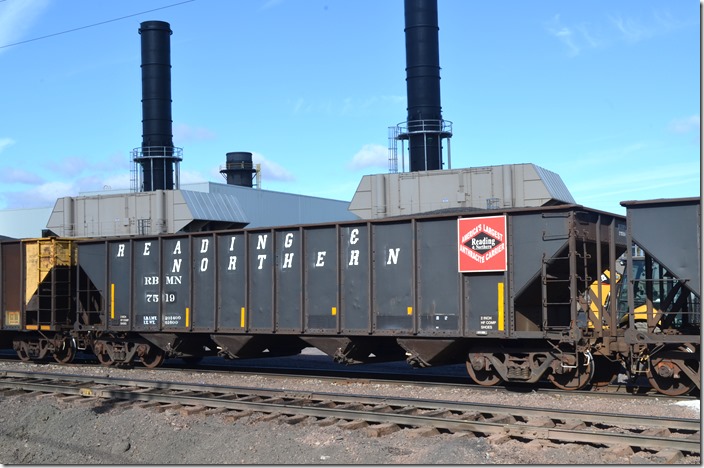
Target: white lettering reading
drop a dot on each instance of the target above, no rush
(288, 260)
(321, 259)
(353, 236)
(151, 280)
(173, 279)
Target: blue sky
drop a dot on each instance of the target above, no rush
(604, 93)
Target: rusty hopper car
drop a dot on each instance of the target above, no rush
(504, 291)
(37, 295)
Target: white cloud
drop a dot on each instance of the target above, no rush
(272, 170)
(6, 143)
(271, 4)
(19, 176)
(17, 17)
(116, 182)
(635, 184)
(190, 177)
(685, 124)
(564, 34)
(585, 36)
(371, 155)
(354, 105)
(345, 106)
(46, 194)
(631, 30)
(185, 133)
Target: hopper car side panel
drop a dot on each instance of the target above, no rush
(231, 280)
(288, 278)
(392, 273)
(146, 287)
(201, 313)
(260, 281)
(355, 283)
(384, 278)
(321, 293)
(437, 283)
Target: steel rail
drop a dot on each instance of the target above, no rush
(392, 410)
(593, 417)
(611, 391)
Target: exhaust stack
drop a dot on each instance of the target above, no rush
(425, 127)
(239, 169)
(158, 158)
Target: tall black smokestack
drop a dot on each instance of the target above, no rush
(157, 155)
(423, 85)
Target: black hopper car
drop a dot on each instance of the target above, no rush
(564, 293)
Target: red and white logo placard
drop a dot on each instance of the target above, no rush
(481, 244)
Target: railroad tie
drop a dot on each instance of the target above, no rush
(379, 430)
(667, 456)
(296, 419)
(352, 425)
(191, 410)
(233, 416)
(422, 432)
(325, 422)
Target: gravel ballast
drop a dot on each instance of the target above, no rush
(48, 430)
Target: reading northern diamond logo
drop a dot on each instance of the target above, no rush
(482, 244)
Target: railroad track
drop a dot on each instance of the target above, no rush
(377, 414)
(392, 376)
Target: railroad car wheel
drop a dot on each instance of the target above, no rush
(483, 377)
(102, 355)
(154, 358)
(665, 375)
(22, 352)
(574, 377)
(66, 352)
(104, 359)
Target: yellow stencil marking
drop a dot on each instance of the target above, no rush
(188, 317)
(242, 315)
(112, 300)
(410, 311)
(334, 311)
(501, 306)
